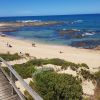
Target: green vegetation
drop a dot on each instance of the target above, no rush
(97, 90)
(10, 57)
(97, 77)
(25, 70)
(53, 86)
(58, 62)
(86, 74)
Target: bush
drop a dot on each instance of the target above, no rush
(85, 65)
(97, 77)
(59, 62)
(10, 57)
(86, 74)
(53, 86)
(25, 70)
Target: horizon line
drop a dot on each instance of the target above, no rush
(48, 15)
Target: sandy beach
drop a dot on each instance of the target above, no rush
(76, 55)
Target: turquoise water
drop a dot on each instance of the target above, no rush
(89, 26)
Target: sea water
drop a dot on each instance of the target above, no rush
(88, 24)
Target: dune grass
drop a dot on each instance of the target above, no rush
(10, 57)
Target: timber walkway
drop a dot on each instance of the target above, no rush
(8, 89)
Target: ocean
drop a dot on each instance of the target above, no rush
(88, 25)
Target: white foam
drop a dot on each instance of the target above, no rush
(26, 21)
(78, 21)
(76, 30)
(87, 33)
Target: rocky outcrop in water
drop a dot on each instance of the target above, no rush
(97, 47)
(89, 44)
(19, 24)
(72, 32)
(7, 29)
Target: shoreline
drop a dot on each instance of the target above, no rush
(68, 53)
(49, 43)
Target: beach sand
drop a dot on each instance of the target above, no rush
(76, 55)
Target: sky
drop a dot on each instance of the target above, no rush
(48, 7)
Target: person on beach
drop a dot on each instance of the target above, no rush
(60, 52)
(10, 46)
(33, 45)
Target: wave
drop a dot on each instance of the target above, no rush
(64, 29)
(76, 30)
(87, 33)
(26, 21)
(78, 21)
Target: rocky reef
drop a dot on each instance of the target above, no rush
(72, 32)
(88, 44)
(19, 24)
(97, 47)
(12, 26)
(7, 29)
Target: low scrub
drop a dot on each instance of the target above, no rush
(53, 86)
(59, 62)
(10, 57)
(25, 70)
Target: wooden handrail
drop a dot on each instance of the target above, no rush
(35, 95)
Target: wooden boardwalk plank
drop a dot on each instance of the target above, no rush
(6, 89)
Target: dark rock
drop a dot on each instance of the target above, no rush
(89, 44)
(97, 47)
(7, 29)
(73, 33)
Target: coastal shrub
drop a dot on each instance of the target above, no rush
(97, 77)
(97, 89)
(86, 74)
(59, 62)
(25, 70)
(85, 65)
(40, 62)
(10, 57)
(53, 86)
(74, 68)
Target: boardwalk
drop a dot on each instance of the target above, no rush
(6, 89)
(6, 92)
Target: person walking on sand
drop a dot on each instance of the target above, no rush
(33, 45)
(60, 52)
(10, 46)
